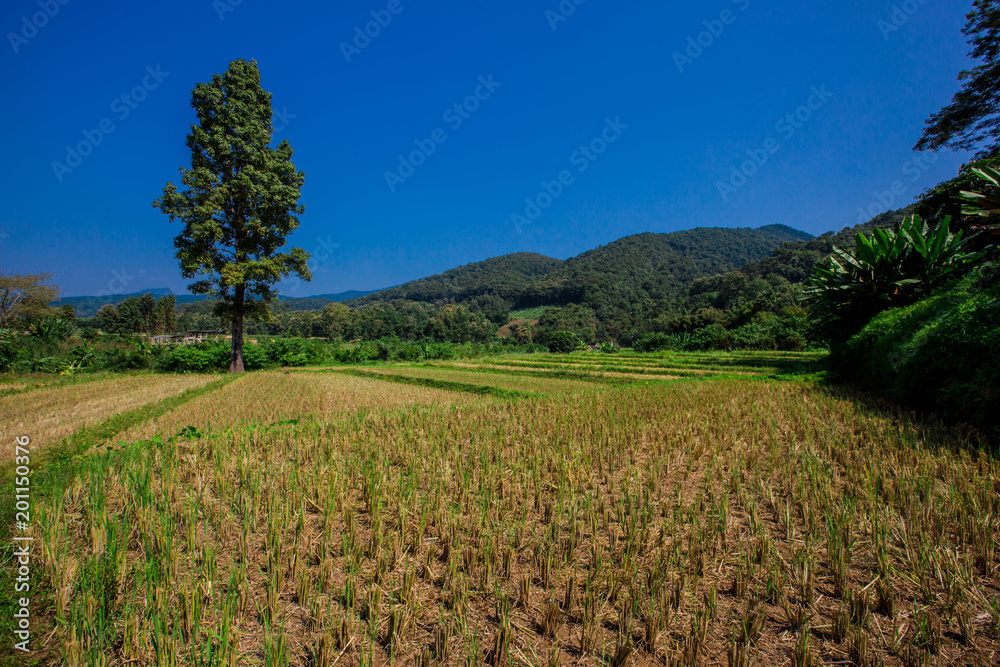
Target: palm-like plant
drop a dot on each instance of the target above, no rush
(985, 206)
(892, 268)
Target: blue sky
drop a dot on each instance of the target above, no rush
(641, 138)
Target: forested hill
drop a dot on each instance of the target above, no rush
(654, 266)
(506, 277)
(626, 271)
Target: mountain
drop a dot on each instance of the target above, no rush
(87, 306)
(506, 276)
(627, 271)
(794, 260)
(654, 266)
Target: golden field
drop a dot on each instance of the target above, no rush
(317, 518)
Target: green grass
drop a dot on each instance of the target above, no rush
(54, 468)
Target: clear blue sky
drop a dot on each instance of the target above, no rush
(348, 122)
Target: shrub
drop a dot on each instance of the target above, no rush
(564, 341)
(892, 268)
(939, 354)
(655, 342)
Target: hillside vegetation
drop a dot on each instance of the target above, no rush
(506, 277)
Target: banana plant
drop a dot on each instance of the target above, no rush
(891, 268)
(985, 206)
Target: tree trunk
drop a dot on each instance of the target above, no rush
(236, 358)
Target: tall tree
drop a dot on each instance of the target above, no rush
(107, 318)
(25, 296)
(972, 120)
(147, 305)
(169, 306)
(241, 201)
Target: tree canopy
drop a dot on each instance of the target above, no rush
(241, 201)
(972, 120)
(25, 296)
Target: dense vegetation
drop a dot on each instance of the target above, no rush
(915, 317)
(504, 278)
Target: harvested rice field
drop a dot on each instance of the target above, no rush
(447, 373)
(323, 518)
(270, 397)
(49, 414)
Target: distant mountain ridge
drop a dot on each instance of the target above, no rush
(627, 271)
(506, 276)
(87, 306)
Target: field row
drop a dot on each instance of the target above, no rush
(320, 518)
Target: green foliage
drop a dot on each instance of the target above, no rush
(656, 342)
(970, 122)
(51, 328)
(564, 341)
(579, 320)
(241, 201)
(653, 266)
(504, 277)
(985, 205)
(139, 314)
(939, 354)
(530, 313)
(945, 198)
(890, 269)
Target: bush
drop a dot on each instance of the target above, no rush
(939, 354)
(564, 341)
(655, 342)
(200, 358)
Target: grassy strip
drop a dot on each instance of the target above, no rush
(482, 390)
(555, 374)
(583, 371)
(53, 469)
(52, 462)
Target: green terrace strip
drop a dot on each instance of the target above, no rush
(56, 463)
(54, 468)
(677, 361)
(583, 370)
(596, 375)
(482, 390)
(525, 382)
(582, 376)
